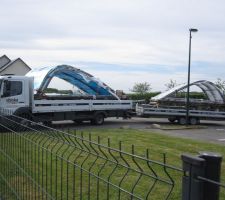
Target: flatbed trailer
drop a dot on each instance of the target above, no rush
(178, 114)
(80, 110)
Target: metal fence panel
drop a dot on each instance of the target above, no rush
(44, 163)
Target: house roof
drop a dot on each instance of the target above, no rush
(11, 62)
(4, 60)
(4, 56)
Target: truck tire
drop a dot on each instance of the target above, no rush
(194, 121)
(47, 123)
(24, 120)
(182, 120)
(23, 116)
(98, 119)
(78, 121)
(172, 119)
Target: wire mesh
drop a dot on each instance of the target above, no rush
(39, 162)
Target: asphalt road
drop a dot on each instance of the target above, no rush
(211, 131)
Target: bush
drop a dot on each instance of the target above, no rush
(192, 95)
(145, 96)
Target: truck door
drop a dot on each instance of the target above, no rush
(12, 95)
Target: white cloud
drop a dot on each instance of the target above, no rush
(128, 32)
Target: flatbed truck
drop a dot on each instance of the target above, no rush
(17, 96)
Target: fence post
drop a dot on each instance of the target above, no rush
(213, 167)
(192, 188)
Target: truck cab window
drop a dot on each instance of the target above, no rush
(12, 88)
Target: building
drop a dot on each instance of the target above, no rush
(13, 67)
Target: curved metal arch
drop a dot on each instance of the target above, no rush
(213, 93)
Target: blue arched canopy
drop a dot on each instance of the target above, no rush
(75, 76)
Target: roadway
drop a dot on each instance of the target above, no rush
(208, 131)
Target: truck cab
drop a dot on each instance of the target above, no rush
(15, 93)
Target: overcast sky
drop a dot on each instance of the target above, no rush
(122, 42)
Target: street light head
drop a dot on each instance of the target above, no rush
(193, 30)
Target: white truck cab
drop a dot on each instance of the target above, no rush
(15, 92)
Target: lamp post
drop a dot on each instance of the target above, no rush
(188, 82)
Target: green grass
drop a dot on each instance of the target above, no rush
(155, 142)
(49, 175)
(158, 144)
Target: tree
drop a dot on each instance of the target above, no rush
(141, 88)
(220, 84)
(172, 83)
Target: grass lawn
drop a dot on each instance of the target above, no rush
(156, 143)
(44, 163)
(159, 144)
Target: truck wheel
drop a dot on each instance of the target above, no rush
(194, 121)
(47, 123)
(24, 120)
(172, 119)
(98, 119)
(182, 121)
(78, 121)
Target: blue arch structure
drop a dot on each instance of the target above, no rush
(84, 81)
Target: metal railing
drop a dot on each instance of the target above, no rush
(38, 162)
(211, 181)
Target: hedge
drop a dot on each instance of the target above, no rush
(147, 96)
